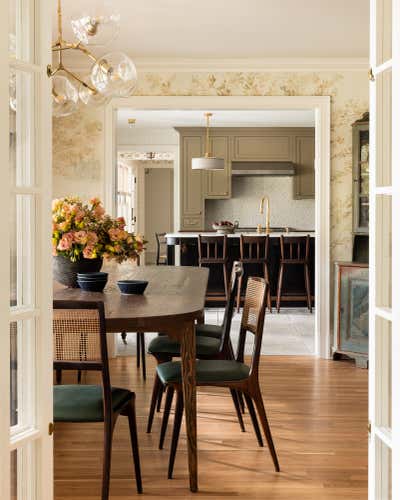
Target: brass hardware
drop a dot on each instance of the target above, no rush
(51, 428)
(259, 228)
(371, 76)
(267, 213)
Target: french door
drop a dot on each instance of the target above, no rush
(384, 373)
(25, 253)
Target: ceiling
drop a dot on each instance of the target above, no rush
(237, 28)
(194, 118)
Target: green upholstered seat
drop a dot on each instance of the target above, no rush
(214, 331)
(84, 403)
(206, 371)
(205, 346)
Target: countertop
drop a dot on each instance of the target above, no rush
(237, 234)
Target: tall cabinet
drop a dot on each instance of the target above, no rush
(361, 175)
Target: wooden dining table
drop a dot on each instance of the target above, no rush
(172, 303)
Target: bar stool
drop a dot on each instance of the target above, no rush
(295, 251)
(213, 250)
(162, 259)
(254, 250)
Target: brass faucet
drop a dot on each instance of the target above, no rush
(267, 215)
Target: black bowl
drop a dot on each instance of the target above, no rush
(92, 286)
(130, 287)
(93, 276)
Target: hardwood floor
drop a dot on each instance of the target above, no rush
(318, 416)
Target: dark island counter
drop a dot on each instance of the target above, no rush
(293, 282)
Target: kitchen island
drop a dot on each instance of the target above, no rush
(293, 278)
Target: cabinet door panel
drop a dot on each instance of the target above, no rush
(218, 182)
(192, 179)
(275, 148)
(304, 181)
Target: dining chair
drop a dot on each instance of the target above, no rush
(254, 250)
(295, 251)
(207, 347)
(80, 343)
(231, 374)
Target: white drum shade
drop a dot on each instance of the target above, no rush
(208, 163)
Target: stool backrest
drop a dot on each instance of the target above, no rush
(212, 248)
(296, 248)
(161, 241)
(254, 248)
(253, 320)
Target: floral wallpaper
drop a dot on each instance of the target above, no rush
(78, 141)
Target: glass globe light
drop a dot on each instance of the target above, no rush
(65, 96)
(90, 97)
(114, 75)
(97, 25)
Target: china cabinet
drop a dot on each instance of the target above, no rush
(361, 175)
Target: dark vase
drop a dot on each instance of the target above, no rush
(65, 271)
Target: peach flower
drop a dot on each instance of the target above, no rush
(66, 242)
(80, 237)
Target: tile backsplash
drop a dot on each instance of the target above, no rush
(244, 204)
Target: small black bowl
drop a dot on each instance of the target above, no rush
(92, 286)
(129, 287)
(93, 276)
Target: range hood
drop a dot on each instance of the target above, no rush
(271, 168)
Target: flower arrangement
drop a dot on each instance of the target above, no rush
(84, 231)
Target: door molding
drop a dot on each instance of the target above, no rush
(321, 107)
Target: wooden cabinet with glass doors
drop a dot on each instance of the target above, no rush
(361, 175)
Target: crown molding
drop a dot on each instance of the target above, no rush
(248, 65)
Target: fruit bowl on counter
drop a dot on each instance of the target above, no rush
(224, 227)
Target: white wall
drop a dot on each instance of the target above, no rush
(245, 201)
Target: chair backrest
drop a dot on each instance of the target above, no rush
(254, 248)
(212, 249)
(237, 271)
(161, 241)
(253, 320)
(80, 341)
(295, 248)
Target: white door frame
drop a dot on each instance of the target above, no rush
(321, 107)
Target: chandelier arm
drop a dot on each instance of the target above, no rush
(78, 46)
(76, 77)
(59, 17)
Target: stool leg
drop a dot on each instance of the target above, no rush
(266, 276)
(138, 343)
(279, 291)
(143, 354)
(308, 287)
(225, 270)
(239, 289)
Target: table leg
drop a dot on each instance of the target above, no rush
(188, 354)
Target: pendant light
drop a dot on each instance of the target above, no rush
(208, 162)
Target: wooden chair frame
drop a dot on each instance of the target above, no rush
(109, 415)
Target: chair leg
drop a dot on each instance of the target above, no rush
(159, 398)
(123, 337)
(264, 423)
(167, 410)
(108, 432)
(175, 433)
(254, 420)
(156, 389)
(239, 289)
(138, 342)
(236, 403)
(241, 402)
(308, 287)
(143, 354)
(79, 376)
(58, 376)
(279, 291)
(135, 445)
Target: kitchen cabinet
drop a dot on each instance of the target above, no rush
(218, 182)
(192, 200)
(304, 179)
(262, 147)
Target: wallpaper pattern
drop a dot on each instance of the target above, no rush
(78, 140)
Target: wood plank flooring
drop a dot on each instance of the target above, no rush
(318, 416)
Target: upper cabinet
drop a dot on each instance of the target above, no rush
(304, 180)
(262, 147)
(218, 182)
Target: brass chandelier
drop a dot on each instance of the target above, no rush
(112, 75)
